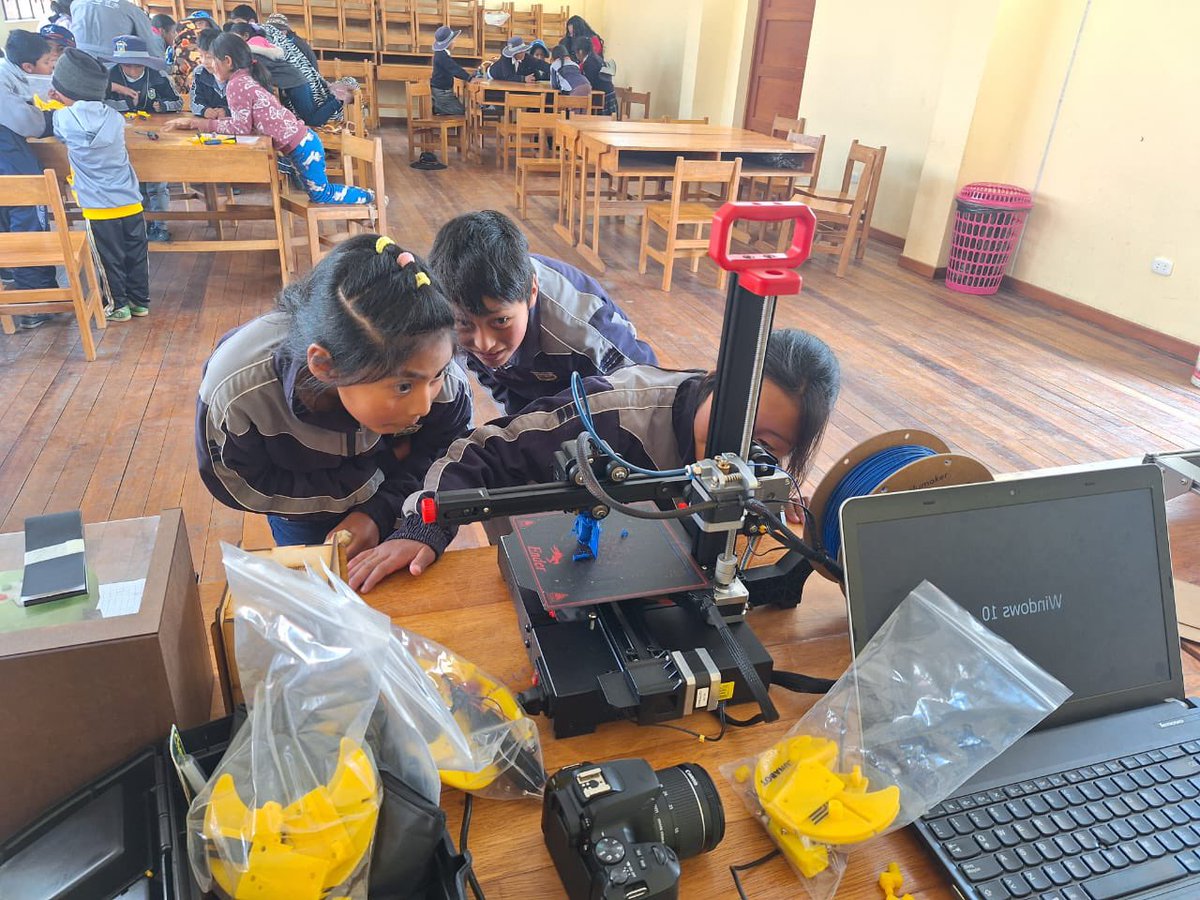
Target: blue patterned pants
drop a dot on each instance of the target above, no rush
(309, 158)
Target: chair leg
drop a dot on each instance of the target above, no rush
(8, 325)
(696, 256)
(844, 254)
(645, 244)
(669, 258)
(95, 300)
(313, 228)
(520, 193)
(445, 144)
(411, 144)
(863, 237)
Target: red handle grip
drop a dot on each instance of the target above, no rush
(722, 226)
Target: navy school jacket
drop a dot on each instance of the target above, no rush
(645, 413)
(261, 450)
(574, 327)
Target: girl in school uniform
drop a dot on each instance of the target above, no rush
(326, 413)
(578, 27)
(565, 76)
(653, 417)
(592, 66)
(254, 109)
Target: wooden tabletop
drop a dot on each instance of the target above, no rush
(462, 602)
(685, 138)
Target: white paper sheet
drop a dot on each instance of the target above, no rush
(121, 598)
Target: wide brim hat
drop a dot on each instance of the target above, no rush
(427, 161)
(130, 50)
(444, 37)
(514, 46)
(538, 42)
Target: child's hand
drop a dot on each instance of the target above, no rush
(368, 569)
(214, 112)
(363, 530)
(55, 95)
(124, 91)
(182, 124)
(158, 107)
(530, 78)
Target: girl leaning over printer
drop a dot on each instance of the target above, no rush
(653, 417)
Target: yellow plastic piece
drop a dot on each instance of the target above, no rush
(297, 852)
(890, 882)
(483, 694)
(47, 104)
(139, 114)
(807, 805)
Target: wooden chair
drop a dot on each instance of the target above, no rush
(844, 218)
(627, 98)
(60, 247)
(535, 157)
(506, 128)
(679, 212)
(425, 130)
(496, 35)
(427, 18)
(463, 16)
(572, 106)
(361, 163)
(781, 187)
(396, 26)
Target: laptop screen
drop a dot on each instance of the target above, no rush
(1073, 570)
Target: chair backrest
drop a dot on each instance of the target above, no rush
(669, 121)
(632, 98)
(575, 104)
(592, 115)
(817, 143)
(362, 163)
(419, 100)
(871, 161)
(783, 127)
(597, 98)
(34, 190)
(353, 113)
(704, 171)
(531, 130)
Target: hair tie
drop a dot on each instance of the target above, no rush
(384, 241)
(422, 279)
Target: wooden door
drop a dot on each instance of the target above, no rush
(777, 70)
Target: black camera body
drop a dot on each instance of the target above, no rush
(617, 831)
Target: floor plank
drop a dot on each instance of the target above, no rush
(1001, 378)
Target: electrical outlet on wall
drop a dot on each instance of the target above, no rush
(1162, 266)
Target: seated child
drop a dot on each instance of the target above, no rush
(104, 182)
(536, 61)
(296, 92)
(254, 109)
(507, 67)
(445, 70)
(527, 322)
(137, 81)
(565, 75)
(26, 54)
(59, 37)
(652, 417)
(326, 413)
(208, 94)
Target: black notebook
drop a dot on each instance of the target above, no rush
(55, 566)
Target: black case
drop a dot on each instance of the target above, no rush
(130, 824)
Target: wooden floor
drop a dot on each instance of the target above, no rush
(1001, 378)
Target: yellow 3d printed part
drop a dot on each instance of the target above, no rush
(806, 804)
(477, 702)
(299, 851)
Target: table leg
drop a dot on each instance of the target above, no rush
(566, 193)
(591, 252)
(213, 203)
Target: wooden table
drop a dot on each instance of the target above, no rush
(463, 603)
(648, 149)
(174, 158)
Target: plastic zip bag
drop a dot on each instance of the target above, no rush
(291, 810)
(933, 698)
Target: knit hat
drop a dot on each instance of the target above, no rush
(514, 46)
(443, 37)
(56, 34)
(279, 20)
(78, 76)
(131, 50)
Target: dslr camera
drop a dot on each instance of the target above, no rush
(617, 831)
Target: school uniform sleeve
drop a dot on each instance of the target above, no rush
(120, 101)
(164, 94)
(633, 412)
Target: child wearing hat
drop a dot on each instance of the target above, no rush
(506, 67)
(138, 83)
(536, 61)
(59, 39)
(104, 182)
(445, 70)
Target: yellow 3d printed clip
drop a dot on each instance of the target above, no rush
(477, 702)
(47, 104)
(138, 114)
(806, 804)
(299, 851)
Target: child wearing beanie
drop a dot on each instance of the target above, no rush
(104, 182)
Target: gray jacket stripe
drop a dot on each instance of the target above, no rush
(570, 328)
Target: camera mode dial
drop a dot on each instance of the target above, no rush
(609, 851)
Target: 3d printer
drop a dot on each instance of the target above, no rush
(654, 629)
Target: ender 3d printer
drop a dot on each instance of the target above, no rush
(652, 628)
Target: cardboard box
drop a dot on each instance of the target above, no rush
(89, 683)
(332, 555)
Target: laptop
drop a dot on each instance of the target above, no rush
(1103, 800)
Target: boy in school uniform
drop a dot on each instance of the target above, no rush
(104, 182)
(445, 70)
(507, 67)
(137, 83)
(526, 321)
(208, 95)
(26, 54)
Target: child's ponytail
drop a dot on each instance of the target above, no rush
(366, 310)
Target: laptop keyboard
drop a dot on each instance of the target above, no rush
(1094, 833)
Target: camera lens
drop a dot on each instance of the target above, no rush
(692, 817)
